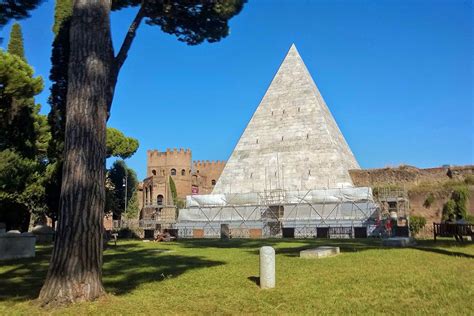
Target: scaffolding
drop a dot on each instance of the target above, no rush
(333, 213)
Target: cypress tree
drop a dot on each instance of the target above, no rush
(15, 45)
(57, 102)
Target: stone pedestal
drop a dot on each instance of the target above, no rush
(14, 245)
(267, 267)
(320, 252)
(398, 242)
(43, 233)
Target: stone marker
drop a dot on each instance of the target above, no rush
(267, 267)
(398, 242)
(14, 245)
(43, 233)
(320, 252)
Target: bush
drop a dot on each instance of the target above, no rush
(469, 180)
(416, 224)
(127, 233)
(470, 219)
(449, 208)
(429, 200)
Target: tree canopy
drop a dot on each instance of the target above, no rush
(119, 145)
(115, 189)
(16, 9)
(17, 89)
(15, 44)
(23, 138)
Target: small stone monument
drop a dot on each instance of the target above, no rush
(3, 228)
(320, 252)
(43, 233)
(398, 242)
(267, 267)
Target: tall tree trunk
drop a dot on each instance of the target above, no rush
(75, 272)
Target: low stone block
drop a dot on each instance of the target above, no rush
(15, 246)
(398, 242)
(320, 252)
(43, 233)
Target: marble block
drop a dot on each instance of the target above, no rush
(267, 267)
(398, 242)
(320, 252)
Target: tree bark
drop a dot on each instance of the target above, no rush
(75, 271)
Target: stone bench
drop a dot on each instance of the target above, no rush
(15, 245)
(320, 252)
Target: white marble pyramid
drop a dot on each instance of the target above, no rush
(292, 142)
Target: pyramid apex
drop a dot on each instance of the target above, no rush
(293, 48)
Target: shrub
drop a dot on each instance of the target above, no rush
(127, 233)
(457, 204)
(429, 200)
(449, 208)
(470, 219)
(416, 224)
(469, 180)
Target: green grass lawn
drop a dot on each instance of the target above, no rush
(209, 276)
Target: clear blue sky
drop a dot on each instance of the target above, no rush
(397, 76)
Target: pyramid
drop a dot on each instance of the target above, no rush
(292, 141)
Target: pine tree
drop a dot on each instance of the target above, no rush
(23, 135)
(15, 45)
(90, 93)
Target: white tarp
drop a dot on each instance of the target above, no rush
(360, 194)
(219, 214)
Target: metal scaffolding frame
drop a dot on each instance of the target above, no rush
(272, 212)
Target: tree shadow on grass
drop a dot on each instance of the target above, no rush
(21, 279)
(128, 267)
(445, 252)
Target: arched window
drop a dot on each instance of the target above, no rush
(183, 172)
(213, 182)
(173, 172)
(153, 172)
(159, 199)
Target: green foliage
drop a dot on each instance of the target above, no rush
(21, 189)
(192, 22)
(115, 187)
(179, 203)
(461, 197)
(429, 200)
(469, 219)
(127, 233)
(469, 179)
(416, 224)
(15, 44)
(119, 145)
(23, 138)
(62, 14)
(17, 106)
(16, 9)
(132, 207)
(174, 193)
(449, 208)
(457, 204)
